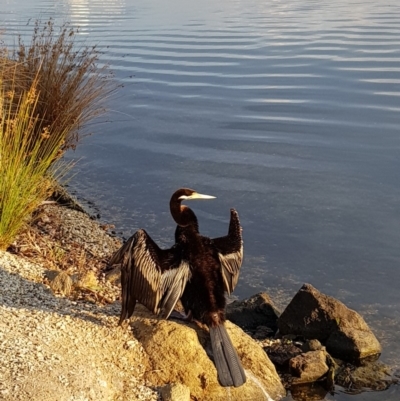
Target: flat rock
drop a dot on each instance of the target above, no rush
(344, 332)
(179, 352)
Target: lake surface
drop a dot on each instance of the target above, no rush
(288, 111)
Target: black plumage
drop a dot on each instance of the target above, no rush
(198, 270)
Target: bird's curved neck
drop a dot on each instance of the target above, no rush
(183, 215)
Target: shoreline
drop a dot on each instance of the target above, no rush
(67, 345)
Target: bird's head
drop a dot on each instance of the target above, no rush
(189, 194)
(182, 215)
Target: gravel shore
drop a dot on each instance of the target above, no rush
(57, 348)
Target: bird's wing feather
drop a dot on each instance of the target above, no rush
(173, 283)
(152, 276)
(230, 252)
(231, 264)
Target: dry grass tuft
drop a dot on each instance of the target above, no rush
(72, 85)
(25, 160)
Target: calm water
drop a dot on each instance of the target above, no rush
(287, 110)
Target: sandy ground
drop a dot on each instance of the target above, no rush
(60, 348)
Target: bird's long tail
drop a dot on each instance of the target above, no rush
(227, 362)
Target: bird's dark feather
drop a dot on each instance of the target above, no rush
(153, 276)
(227, 362)
(230, 252)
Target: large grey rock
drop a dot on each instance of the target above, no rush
(254, 312)
(177, 353)
(314, 315)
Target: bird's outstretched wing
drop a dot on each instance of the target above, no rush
(230, 252)
(152, 276)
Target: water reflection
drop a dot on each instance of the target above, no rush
(94, 12)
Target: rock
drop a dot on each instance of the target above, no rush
(179, 353)
(308, 367)
(374, 376)
(281, 353)
(251, 313)
(175, 392)
(311, 345)
(314, 315)
(308, 392)
(63, 197)
(351, 344)
(51, 274)
(60, 282)
(263, 332)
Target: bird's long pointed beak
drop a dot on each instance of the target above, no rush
(196, 195)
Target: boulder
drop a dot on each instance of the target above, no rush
(179, 352)
(253, 312)
(344, 332)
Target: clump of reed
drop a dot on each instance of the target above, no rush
(49, 91)
(72, 84)
(25, 160)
